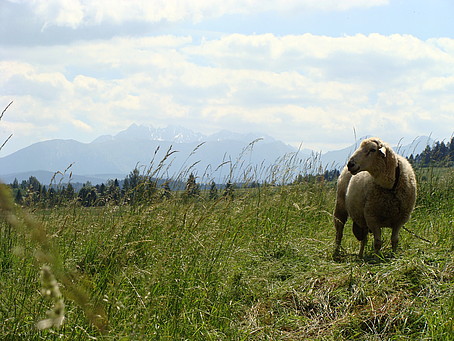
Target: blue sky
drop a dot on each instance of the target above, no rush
(421, 18)
(302, 71)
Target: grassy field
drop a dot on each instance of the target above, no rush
(258, 267)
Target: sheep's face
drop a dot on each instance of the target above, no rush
(370, 153)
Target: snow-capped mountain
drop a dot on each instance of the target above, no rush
(212, 157)
(221, 156)
(179, 134)
(173, 133)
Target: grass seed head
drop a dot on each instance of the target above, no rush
(50, 289)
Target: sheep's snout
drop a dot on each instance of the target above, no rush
(353, 167)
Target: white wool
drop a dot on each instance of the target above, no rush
(376, 189)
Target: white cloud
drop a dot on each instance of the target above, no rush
(347, 57)
(81, 125)
(76, 13)
(295, 88)
(439, 84)
(60, 12)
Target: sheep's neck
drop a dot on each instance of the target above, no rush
(388, 180)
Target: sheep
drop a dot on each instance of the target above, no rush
(376, 189)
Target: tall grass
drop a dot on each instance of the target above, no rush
(254, 267)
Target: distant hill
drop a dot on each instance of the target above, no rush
(174, 152)
(219, 156)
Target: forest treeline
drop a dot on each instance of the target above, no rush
(137, 187)
(440, 154)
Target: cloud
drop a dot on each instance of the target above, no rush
(60, 12)
(78, 13)
(295, 88)
(81, 125)
(47, 85)
(346, 57)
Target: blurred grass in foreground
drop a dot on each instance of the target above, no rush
(253, 267)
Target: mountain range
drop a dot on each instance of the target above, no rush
(171, 152)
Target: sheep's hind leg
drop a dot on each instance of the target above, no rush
(360, 234)
(361, 248)
(340, 217)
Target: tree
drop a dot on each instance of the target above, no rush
(87, 195)
(43, 195)
(15, 184)
(426, 156)
(131, 186)
(228, 191)
(126, 187)
(44, 192)
(451, 152)
(33, 190)
(34, 184)
(134, 178)
(192, 188)
(69, 192)
(166, 194)
(441, 154)
(52, 197)
(146, 189)
(101, 189)
(299, 179)
(213, 191)
(92, 197)
(82, 194)
(331, 175)
(18, 197)
(113, 191)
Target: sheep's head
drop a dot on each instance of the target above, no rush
(370, 154)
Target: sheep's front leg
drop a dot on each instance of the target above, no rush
(377, 239)
(375, 225)
(395, 237)
(361, 248)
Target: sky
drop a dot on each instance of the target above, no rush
(312, 72)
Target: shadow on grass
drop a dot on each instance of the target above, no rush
(369, 258)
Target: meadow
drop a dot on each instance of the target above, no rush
(255, 266)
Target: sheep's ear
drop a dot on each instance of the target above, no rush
(382, 150)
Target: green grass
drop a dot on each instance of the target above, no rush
(258, 267)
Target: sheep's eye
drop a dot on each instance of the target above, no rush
(373, 150)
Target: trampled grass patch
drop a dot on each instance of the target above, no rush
(255, 267)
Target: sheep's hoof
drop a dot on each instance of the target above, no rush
(394, 251)
(337, 256)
